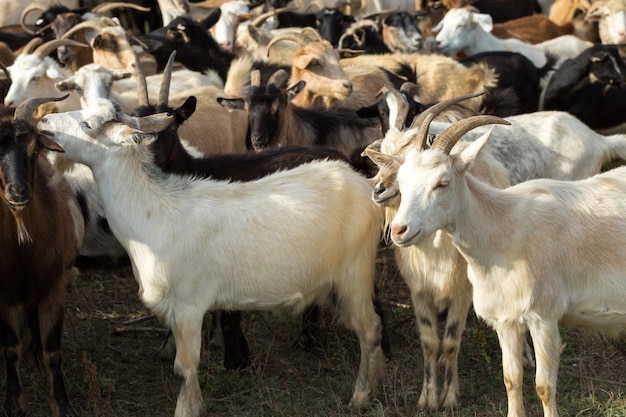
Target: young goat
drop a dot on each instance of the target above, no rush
(539, 253)
(284, 211)
(42, 230)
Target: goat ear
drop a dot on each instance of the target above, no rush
(188, 107)
(295, 89)
(375, 146)
(211, 18)
(47, 143)
(302, 61)
(231, 103)
(143, 138)
(484, 20)
(383, 159)
(466, 158)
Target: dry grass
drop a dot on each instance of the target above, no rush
(112, 371)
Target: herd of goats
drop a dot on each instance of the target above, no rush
(474, 137)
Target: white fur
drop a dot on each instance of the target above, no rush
(548, 144)
(463, 30)
(185, 237)
(538, 253)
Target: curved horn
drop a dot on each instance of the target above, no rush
(382, 13)
(87, 24)
(311, 33)
(38, 5)
(296, 37)
(450, 136)
(5, 70)
(423, 120)
(44, 50)
(278, 79)
(260, 19)
(166, 78)
(27, 108)
(31, 46)
(402, 106)
(106, 7)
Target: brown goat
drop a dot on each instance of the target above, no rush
(42, 232)
(533, 29)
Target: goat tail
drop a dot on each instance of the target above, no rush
(615, 150)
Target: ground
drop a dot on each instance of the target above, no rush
(112, 370)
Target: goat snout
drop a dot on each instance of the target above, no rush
(402, 235)
(259, 142)
(227, 46)
(383, 195)
(17, 195)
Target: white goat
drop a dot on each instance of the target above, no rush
(538, 253)
(435, 271)
(466, 30)
(233, 13)
(286, 211)
(611, 18)
(34, 73)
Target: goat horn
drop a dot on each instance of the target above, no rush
(296, 37)
(402, 106)
(164, 92)
(26, 109)
(142, 84)
(423, 120)
(38, 5)
(255, 78)
(376, 15)
(260, 19)
(450, 136)
(44, 50)
(31, 45)
(278, 79)
(106, 7)
(5, 70)
(87, 24)
(311, 33)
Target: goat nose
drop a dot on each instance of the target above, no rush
(18, 194)
(8, 103)
(398, 230)
(226, 45)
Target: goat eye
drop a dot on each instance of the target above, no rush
(36, 78)
(441, 184)
(314, 63)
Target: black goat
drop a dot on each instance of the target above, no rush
(42, 233)
(591, 86)
(518, 78)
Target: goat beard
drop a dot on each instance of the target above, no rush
(22, 233)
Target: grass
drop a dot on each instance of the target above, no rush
(112, 370)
